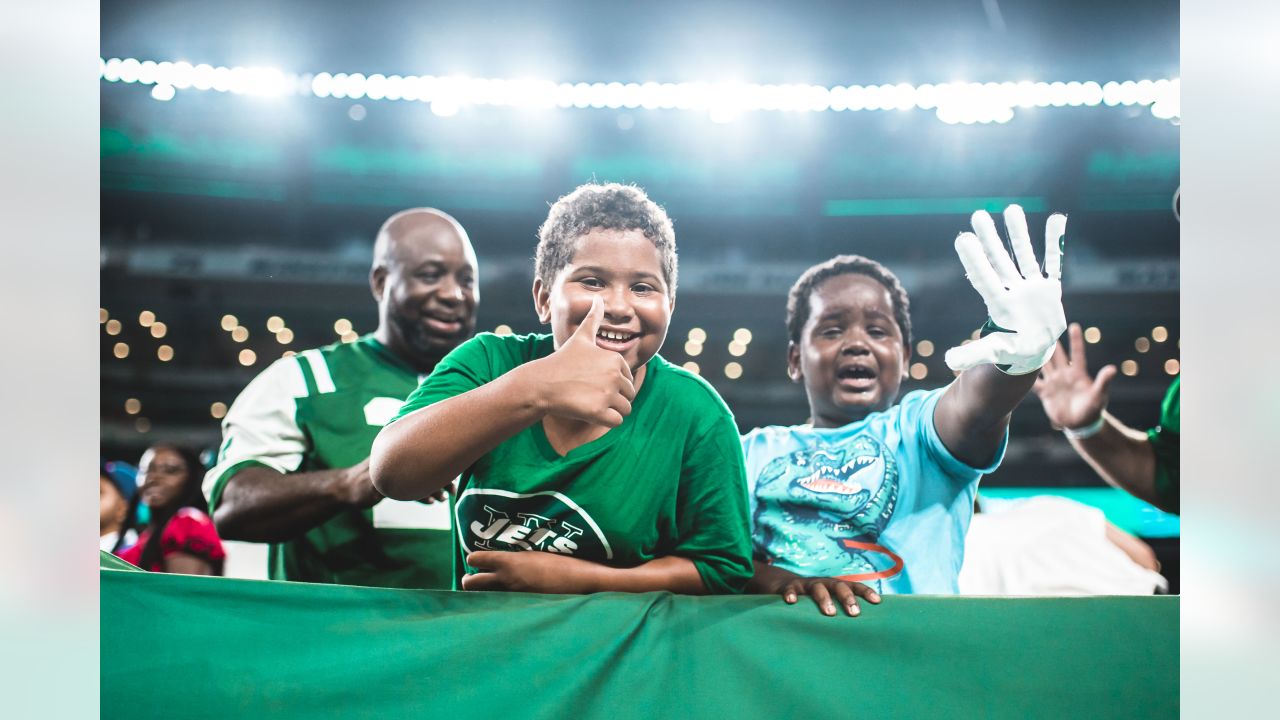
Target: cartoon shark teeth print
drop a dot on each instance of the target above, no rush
(827, 479)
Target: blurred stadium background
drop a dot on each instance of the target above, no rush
(239, 206)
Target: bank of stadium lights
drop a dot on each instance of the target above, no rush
(954, 102)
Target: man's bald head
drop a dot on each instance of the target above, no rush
(415, 225)
(424, 278)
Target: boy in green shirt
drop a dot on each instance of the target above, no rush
(624, 470)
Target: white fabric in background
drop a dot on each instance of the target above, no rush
(1047, 545)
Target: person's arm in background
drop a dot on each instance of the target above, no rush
(260, 504)
(253, 494)
(1137, 550)
(187, 564)
(1025, 320)
(1076, 403)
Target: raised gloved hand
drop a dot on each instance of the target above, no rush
(1024, 306)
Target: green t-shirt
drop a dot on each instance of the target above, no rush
(321, 410)
(668, 481)
(1164, 441)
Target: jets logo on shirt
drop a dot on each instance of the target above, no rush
(546, 521)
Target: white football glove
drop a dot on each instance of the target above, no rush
(1024, 306)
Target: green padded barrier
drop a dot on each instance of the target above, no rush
(218, 648)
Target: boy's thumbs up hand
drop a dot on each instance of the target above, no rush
(586, 382)
(590, 325)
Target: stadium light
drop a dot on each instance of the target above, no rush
(955, 102)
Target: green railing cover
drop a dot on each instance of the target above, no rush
(217, 648)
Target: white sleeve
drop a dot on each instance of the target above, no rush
(261, 428)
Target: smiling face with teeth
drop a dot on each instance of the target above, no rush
(424, 280)
(851, 353)
(624, 268)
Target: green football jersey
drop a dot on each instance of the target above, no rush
(669, 481)
(321, 410)
(1164, 442)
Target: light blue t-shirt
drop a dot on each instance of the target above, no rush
(880, 501)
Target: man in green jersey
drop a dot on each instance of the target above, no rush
(1143, 463)
(293, 468)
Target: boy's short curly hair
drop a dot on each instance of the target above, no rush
(610, 206)
(798, 307)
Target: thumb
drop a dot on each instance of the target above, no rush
(1102, 382)
(979, 352)
(591, 323)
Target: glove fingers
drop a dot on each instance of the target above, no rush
(980, 352)
(997, 256)
(978, 268)
(1054, 230)
(1015, 222)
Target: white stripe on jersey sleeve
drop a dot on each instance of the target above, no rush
(320, 369)
(261, 425)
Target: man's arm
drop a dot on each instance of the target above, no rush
(1026, 318)
(259, 504)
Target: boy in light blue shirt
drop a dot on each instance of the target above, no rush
(873, 496)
